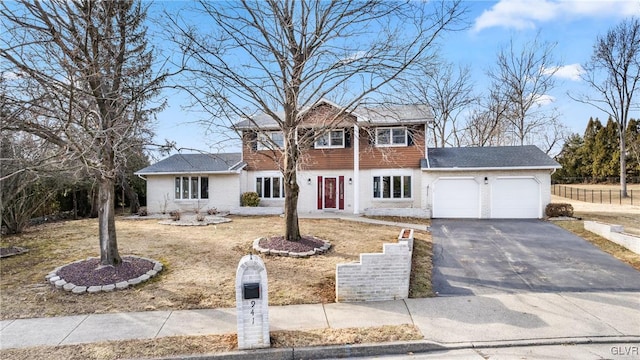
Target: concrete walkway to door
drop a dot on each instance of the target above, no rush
(477, 257)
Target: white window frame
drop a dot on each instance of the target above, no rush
(266, 140)
(261, 192)
(379, 194)
(328, 139)
(191, 194)
(391, 142)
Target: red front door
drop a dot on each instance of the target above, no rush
(330, 193)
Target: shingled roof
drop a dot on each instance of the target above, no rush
(195, 163)
(383, 115)
(523, 157)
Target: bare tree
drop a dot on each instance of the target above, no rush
(486, 124)
(82, 72)
(613, 72)
(523, 77)
(448, 91)
(280, 58)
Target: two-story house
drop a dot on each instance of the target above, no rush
(369, 161)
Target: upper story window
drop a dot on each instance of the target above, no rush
(331, 139)
(269, 140)
(391, 136)
(191, 187)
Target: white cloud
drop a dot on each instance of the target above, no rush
(524, 14)
(571, 72)
(542, 100)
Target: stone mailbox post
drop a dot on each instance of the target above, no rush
(252, 303)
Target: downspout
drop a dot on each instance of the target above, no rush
(356, 169)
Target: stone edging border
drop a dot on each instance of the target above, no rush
(316, 251)
(60, 283)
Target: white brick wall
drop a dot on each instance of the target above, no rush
(378, 276)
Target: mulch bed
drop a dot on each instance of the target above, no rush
(11, 251)
(90, 273)
(306, 243)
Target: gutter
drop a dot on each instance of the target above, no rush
(490, 168)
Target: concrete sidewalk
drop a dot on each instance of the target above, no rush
(452, 322)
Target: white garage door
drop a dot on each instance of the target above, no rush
(456, 198)
(515, 198)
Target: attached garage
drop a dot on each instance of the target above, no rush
(456, 197)
(515, 198)
(506, 182)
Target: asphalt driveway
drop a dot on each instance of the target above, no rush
(475, 257)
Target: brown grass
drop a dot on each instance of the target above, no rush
(187, 345)
(200, 264)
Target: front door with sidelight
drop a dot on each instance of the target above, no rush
(330, 193)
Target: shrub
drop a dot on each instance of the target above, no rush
(142, 211)
(175, 215)
(559, 209)
(212, 211)
(250, 198)
(200, 217)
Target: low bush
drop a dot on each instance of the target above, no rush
(212, 211)
(250, 198)
(142, 211)
(559, 209)
(175, 215)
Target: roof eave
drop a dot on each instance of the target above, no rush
(187, 172)
(494, 168)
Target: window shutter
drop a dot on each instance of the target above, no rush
(410, 132)
(319, 192)
(347, 138)
(251, 138)
(341, 193)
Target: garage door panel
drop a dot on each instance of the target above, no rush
(456, 198)
(515, 198)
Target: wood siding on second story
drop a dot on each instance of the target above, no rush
(372, 156)
(397, 157)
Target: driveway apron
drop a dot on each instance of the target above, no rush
(476, 257)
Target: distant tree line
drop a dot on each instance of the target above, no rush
(595, 156)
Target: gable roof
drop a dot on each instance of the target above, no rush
(492, 157)
(383, 115)
(196, 163)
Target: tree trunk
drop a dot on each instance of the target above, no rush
(623, 164)
(134, 202)
(107, 223)
(93, 212)
(292, 227)
(291, 188)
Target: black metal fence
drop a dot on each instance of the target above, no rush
(601, 196)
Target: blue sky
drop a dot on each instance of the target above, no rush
(573, 25)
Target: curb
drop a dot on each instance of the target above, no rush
(394, 348)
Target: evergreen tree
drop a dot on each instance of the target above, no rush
(571, 158)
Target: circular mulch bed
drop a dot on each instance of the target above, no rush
(90, 276)
(305, 247)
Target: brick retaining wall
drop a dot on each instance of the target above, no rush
(378, 276)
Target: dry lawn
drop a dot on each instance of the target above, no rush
(200, 264)
(187, 345)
